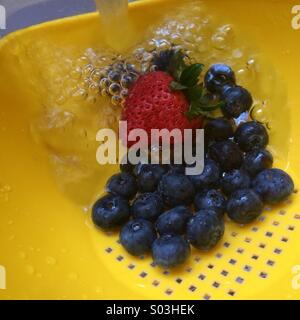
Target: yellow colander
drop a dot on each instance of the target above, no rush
(48, 245)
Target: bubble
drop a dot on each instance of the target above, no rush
(80, 94)
(30, 269)
(114, 89)
(94, 88)
(116, 100)
(51, 261)
(87, 70)
(114, 76)
(76, 73)
(124, 93)
(105, 83)
(83, 61)
(104, 93)
(153, 68)
(96, 75)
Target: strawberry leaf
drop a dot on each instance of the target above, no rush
(190, 75)
(177, 86)
(177, 65)
(195, 93)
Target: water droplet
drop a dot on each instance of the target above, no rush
(30, 269)
(22, 255)
(73, 276)
(51, 261)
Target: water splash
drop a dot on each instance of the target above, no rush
(114, 18)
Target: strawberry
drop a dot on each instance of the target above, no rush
(169, 99)
(152, 104)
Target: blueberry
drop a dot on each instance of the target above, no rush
(170, 251)
(148, 206)
(205, 230)
(126, 167)
(235, 180)
(110, 212)
(137, 237)
(218, 129)
(176, 189)
(122, 184)
(210, 200)
(236, 101)
(177, 168)
(273, 185)
(149, 176)
(251, 136)
(244, 206)
(174, 221)
(257, 160)
(218, 76)
(227, 154)
(163, 59)
(209, 178)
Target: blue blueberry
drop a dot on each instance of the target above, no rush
(244, 206)
(227, 154)
(237, 100)
(209, 178)
(126, 167)
(176, 189)
(205, 230)
(218, 76)
(163, 59)
(170, 251)
(137, 236)
(110, 212)
(210, 200)
(148, 206)
(273, 185)
(251, 136)
(177, 168)
(235, 180)
(218, 129)
(257, 160)
(149, 176)
(174, 221)
(122, 184)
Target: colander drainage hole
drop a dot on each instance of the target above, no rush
(120, 258)
(192, 288)
(155, 283)
(239, 280)
(224, 273)
(231, 293)
(201, 277)
(269, 234)
(263, 275)
(108, 250)
(240, 250)
(247, 268)
(232, 261)
(270, 263)
(277, 251)
(168, 292)
(143, 274)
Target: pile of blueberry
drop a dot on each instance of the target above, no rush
(163, 211)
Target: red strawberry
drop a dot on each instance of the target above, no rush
(152, 104)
